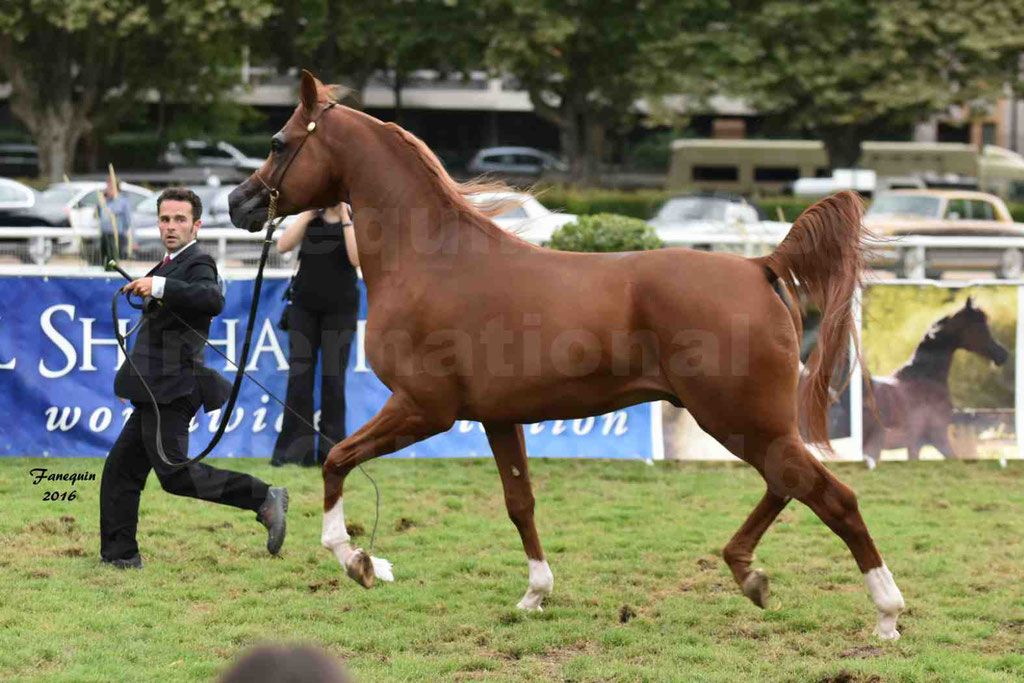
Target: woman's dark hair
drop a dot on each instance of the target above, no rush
(182, 194)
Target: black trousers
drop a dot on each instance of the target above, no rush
(134, 455)
(311, 332)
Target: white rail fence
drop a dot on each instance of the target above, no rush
(79, 247)
(910, 257)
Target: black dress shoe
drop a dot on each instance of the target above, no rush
(272, 515)
(133, 562)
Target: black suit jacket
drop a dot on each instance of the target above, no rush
(168, 355)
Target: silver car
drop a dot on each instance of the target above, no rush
(514, 161)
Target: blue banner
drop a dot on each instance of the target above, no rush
(58, 357)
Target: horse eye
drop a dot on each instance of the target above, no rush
(276, 144)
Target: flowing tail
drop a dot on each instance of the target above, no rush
(822, 259)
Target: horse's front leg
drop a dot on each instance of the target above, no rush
(939, 436)
(398, 424)
(509, 450)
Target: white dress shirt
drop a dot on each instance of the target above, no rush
(159, 282)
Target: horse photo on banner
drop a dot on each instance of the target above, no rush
(942, 366)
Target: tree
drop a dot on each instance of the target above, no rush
(77, 64)
(349, 42)
(586, 63)
(843, 69)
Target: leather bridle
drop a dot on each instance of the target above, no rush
(274, 190)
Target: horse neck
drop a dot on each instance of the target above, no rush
(408, 225)
(932, 358)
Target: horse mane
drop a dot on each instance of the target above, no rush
(455, 193)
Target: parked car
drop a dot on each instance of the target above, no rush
(208, 154)
(951, 213)
(514, 161)
(18, 159)
(66, 204)
(682, 218)
(15, 196)
(525, 217)
(215, 208)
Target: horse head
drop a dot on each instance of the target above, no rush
(969, 327)
(301, 167)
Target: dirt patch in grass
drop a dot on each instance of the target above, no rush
(862, 652)
(74, 551)
(626, 613)
(848, 677)
(331, 585)
(404, 524)
(355, 529)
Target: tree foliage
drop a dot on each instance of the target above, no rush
(348, 42)
(75, 65)
(586, 63)
(843, 69)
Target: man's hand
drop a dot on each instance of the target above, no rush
(142, 286)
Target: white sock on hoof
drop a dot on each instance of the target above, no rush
(887, 598)
(382, 569)
(542, 581)
(335, 538)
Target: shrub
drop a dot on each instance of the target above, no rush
(605, 232)
(638, 204)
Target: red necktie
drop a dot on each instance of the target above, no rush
(167, 259)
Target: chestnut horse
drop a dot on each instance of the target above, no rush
(914, 402)
(469, 322)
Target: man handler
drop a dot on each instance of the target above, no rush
(169, 357)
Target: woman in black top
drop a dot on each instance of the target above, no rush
(322, 318)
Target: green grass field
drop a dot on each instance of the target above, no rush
(641, 593)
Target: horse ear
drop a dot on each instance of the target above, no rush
(308, 90)
(970, 303)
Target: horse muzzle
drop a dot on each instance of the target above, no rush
(999, 355)
(248, 206)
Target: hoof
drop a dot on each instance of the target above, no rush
(755, 587)
(542, 582)
(382, 569)
(886, 627)
(531, 602)
(359, 568)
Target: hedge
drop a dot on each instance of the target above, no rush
(644, 204)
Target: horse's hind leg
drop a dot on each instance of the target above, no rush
(739, 552)
(398, 424)
(791, 470)
(509, 450)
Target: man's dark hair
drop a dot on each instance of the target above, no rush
(182, 194)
